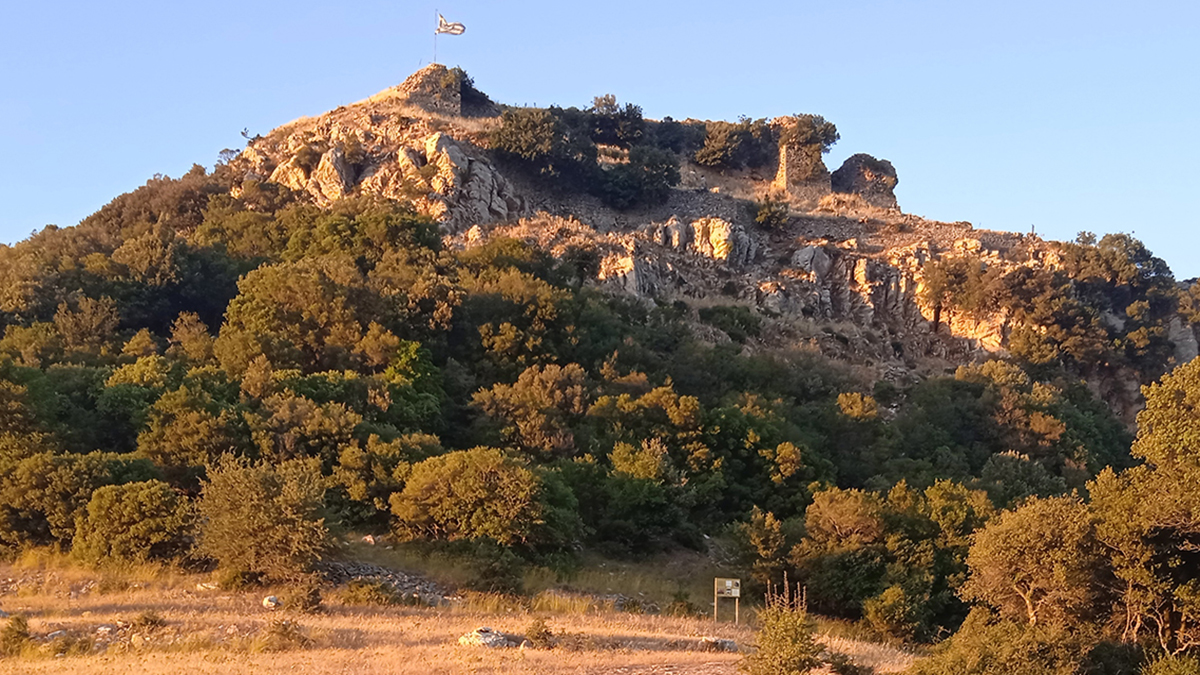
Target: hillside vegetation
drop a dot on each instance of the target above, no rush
(220, 373)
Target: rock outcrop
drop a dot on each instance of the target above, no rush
(434, 89)
(385, 146)
(873, 179)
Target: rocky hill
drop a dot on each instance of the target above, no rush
(844, 273)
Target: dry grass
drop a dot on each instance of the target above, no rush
(163, 624)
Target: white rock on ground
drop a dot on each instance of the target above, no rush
(486, 637)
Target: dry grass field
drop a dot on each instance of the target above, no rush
(164, 624)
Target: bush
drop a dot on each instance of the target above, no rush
(15, 636)
(682, 606)
(149, 619)
(496, 568)
(134, 522)
(744, 144)
(369, 592)
(616, 125)
(470, 494)
(840, 664)
(771, 212)
(542, 143)
(281, 635)
(738, 322)
(683, 137)
(264, 520)
(303, 596)
(646, 179)
(987, 646)
(784, 639)
(42, 496)
(539, 634)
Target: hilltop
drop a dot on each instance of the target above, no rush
(844, 270)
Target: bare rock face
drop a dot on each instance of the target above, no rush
(1183, 336)
(290, 174)
(333, 178)
(873, 179)
(446, 181)
(721, 240)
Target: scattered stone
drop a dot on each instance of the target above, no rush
(56, 634)
(407, 585)
(486, 637)
(716, 644)
(207, 586)
(271, 602)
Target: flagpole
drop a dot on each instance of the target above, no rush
(435, 39)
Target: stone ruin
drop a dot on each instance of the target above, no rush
(873, 179)
(802, 173)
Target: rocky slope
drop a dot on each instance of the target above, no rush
(842, 276)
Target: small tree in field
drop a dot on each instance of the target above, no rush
(264, 520)
(785, 638)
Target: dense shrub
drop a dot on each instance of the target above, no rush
(262, 519)
(745, 144)
(739, 323)
(134, 522)
(987, 646)
(42, 496)
(612, 124)
(543, 144)
(684, 138)
(646, 179)
(473, 494)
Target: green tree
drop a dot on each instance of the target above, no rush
(1039, 564)
(264, 520)
(538, 411)
(472, 494)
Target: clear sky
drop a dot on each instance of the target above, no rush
(1063, 115)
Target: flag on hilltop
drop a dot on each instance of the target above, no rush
(450, 28)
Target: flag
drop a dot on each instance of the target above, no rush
(445, 26)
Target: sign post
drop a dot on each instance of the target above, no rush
(728, 588)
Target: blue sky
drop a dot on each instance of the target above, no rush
(1066, 116)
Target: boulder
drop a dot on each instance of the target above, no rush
(486, 637)
(812, 259)
(332, 179)
(290, 174)
(721, 240)
(873, 179)
(716, 644)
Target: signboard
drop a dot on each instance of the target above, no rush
(728, 588)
